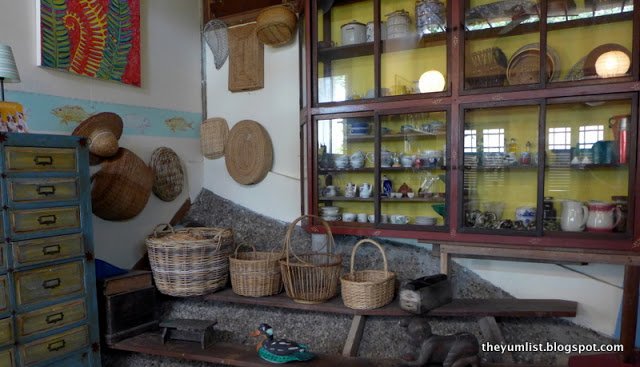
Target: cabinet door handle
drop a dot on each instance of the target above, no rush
(51, 250)
(56, 346)
(47, 219)
(43, 160)
(56, 317)
(51, 283)
(46, 190)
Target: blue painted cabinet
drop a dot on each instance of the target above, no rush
(48, 310)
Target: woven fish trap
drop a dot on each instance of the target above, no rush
(311, 277)
(213, 137)
(168, 175)
(190, 261)
(368, 289)
(255, 273)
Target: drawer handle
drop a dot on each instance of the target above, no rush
(56, 317)
(47, 219)
(51, 283)
(51, 250)
(56, 346)
(46, 190)
(43, 160)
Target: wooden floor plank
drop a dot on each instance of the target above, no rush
(498, 307)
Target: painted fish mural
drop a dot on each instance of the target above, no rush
(176, 124)
(135, 122)
(68, 114)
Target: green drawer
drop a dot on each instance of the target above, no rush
(47, 284)
(6, 358)
(3, 253)
(4, 294)
(56, 345)
(24, 159)
(43, 190)
(47, 249)
(6, 331)
(51, 317)
(35, 220)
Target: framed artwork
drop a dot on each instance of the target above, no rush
(94, 38)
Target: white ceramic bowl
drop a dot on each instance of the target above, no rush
(348, 217)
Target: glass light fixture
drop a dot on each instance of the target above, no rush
(612, 64)
(431, 81)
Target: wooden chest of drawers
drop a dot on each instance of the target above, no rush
(48, 310)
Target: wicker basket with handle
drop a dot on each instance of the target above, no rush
(276, 25)
(255, 273)
(368, 289)
(311, 277)
(190, 261)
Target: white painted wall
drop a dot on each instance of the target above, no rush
(170, 62)
(276, 108)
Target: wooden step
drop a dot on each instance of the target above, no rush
(498, 307)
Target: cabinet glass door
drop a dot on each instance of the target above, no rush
(413, 169)
(345, 170)
(500, 176)
(502, 43)
(414, 46)
(588, 40)
(588, 151)
(345, 56)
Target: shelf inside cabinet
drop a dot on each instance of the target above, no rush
(396, 136)
(344, 198)
(414, 200)
(595, 166)
(502, 168)
(326, 53)
(324, 171)
(383, 169)
(534, 27)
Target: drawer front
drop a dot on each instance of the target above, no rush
(29, 190)
(51, 317)
(6, 358)
(6, 331)
(54, 346)
(23, 159)
(47, 249)
(4, 294)
(3, 254)
(35, 220)
(47, 284)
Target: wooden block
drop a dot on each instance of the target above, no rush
(200, 331)
(127, 314)
(424, 294)
(131, 281)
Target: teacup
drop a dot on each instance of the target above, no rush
(407, 160)
(399, 219)
(348, 217)
(384, 218)
(362, 217)
(372, 218)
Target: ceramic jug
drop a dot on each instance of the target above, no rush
(574, 216)
(365, 190)
(350, 190)
(603, 217)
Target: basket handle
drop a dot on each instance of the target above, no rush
(244, 245)
(330, 244)
(363, 241)
(164, 229)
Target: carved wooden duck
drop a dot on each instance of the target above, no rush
(279, 351)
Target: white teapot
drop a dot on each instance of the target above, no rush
(350, 190)
(365, 190)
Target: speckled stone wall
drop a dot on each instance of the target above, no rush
(326, 333)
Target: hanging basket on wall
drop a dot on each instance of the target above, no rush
(213, 137)
(168, 177)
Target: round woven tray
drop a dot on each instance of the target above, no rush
(122, 187)
(248, 152)
(213, 137)
(168, 177)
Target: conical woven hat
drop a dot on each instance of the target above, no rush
(103, 130)
(215, 34)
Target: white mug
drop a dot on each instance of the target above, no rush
(362, 217)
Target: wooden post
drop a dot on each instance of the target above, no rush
(629, 317)
(354, 337)
(444, 261)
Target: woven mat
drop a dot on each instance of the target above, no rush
(248, 152)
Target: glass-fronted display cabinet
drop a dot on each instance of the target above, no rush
(440, 120)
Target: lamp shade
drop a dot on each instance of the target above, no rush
(8, 69)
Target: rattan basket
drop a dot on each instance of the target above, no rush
(213, 137)
(167, 171)
(190, 261)
(368, 289)
(311, 277)
(256, 273)
(276, 25)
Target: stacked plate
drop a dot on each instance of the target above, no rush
(425, 221)
(330, 213)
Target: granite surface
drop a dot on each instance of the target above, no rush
(326, 333)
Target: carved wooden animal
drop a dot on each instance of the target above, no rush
(458, 350)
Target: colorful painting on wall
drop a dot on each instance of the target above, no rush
(95, 38)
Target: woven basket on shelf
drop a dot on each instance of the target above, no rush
(255, 273)
(213, 137)
(368, 289)
(276, 25)
(310, 277)
(190, 261)
(167, 171)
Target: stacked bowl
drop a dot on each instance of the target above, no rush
(330, 213)
(426, 221)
